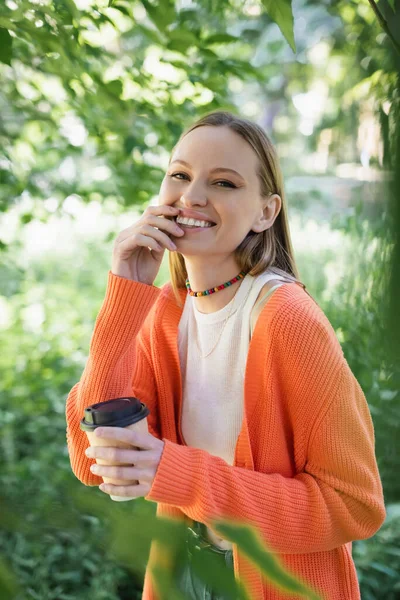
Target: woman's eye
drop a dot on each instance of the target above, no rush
(221, 181)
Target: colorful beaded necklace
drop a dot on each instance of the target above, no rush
(241, 275)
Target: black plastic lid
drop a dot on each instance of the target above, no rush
(118, 412)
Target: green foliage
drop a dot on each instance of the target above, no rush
(378, 559)
(356, 308)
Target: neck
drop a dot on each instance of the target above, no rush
(205, 276)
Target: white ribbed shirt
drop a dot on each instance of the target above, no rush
(213, 387)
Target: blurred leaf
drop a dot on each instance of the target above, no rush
(122, 8)
(8, 585)
(154, 36)
(250, 544)
(5, 46)
(115, 87)
(162, 15)
(220, 38)
(384, 569)
(281, 13)
(181, 39)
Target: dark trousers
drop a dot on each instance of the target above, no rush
(188, 582)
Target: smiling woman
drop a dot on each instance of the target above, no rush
(260, 417)
(224, 172)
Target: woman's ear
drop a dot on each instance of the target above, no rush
(270, 210)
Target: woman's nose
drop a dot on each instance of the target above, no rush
(194, 196)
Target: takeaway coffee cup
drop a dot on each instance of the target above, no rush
(125, 412)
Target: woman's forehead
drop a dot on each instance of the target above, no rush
(216, 147)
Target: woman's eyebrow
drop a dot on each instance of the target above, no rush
(216, 170)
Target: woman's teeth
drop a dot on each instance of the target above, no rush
(193, 223)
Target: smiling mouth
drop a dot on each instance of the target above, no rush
(193, 226)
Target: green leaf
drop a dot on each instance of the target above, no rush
(129, 143)
(249, 543)
(152, 34)
(5, 46)
(181, 39)
(8, 581)
(161, 15)
(221, 38)
(122, 8)
(392, 2)
(115, 87)
(281, 12)
(26, 218)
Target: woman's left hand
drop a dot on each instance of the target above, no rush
(145, 461)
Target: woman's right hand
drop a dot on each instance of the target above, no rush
(132, 257)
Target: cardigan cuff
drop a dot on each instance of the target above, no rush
(176, 473)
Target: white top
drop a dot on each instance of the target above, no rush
(212, 387)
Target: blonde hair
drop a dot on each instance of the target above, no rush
(270, 249)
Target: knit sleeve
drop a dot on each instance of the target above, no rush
(117, 365)
(336, 498)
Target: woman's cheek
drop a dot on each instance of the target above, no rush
(166, 192)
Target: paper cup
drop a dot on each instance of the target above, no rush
(125, 412)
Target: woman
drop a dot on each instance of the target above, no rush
(255, 413)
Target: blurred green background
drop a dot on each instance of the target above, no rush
(93, 96)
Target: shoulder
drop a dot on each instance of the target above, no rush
(301, 328)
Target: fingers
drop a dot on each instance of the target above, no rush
(163, 209)
(161, 238)
(132, 491)
(144, 233)
(166, 224)
(113, 454)
(143, 240)
(128, 473)
(141, 439)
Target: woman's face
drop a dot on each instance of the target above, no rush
(229, 198)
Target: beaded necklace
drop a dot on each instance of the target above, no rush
(212, 290)
(241, 275)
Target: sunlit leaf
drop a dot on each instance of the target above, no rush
(122, 8)
(281, 13)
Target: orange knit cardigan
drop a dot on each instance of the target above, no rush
(304, 474)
